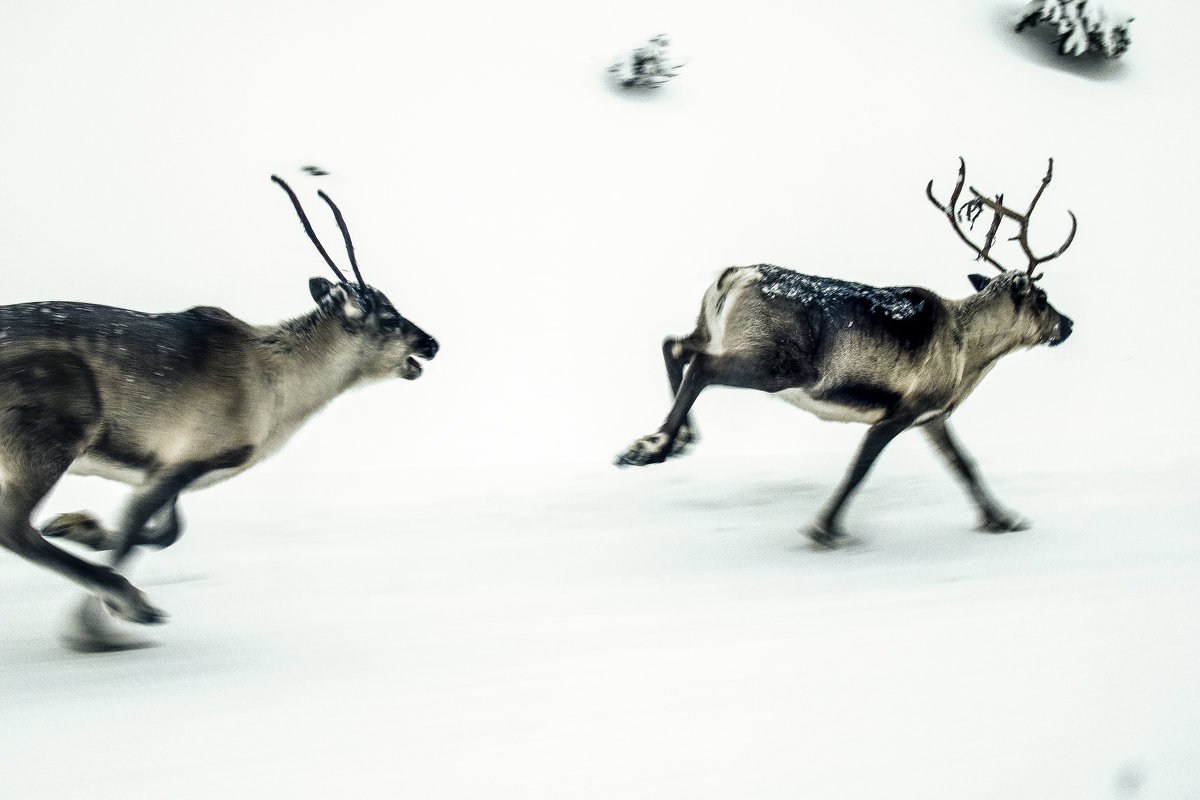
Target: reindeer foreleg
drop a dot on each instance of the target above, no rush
(993, 516)
(152, 517)
(826, 530)
(163, 529)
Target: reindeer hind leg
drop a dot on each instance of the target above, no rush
(705, 369)
(151, 518)
(90, 628)
(678, 354)
(38, 446)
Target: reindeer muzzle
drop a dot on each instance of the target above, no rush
(412, 368)
(1062, 330)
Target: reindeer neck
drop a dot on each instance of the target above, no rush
(308, 361)
(987, 336)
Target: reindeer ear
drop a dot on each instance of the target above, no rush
(329, 295)
(335, 298)
(979, 282)
(319, 288)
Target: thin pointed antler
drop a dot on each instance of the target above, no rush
(312, 234)
(1000, 210)
(337, 215)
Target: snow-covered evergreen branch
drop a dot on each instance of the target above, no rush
(1082, 26)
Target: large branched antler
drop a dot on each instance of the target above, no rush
(337, 215)
(952, 215)
(1000, 211)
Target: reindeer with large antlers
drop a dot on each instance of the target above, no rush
(893, 358)
(169, 403)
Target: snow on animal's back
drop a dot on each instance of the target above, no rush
(835, 297)
(903, 314)
(906, 314)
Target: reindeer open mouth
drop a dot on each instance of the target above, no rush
(412, 369)
(427, 348)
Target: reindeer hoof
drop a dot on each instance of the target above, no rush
(652, 449)
(1004, 523)
(134, 607)
(826, 537)
(79, 526)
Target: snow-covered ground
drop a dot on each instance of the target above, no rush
(469, 601)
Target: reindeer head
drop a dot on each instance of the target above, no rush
(391, 343)
(1034, 321)
(1022, 308)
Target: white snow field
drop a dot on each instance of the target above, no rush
(442, 589)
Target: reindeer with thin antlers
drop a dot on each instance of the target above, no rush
(893, 358)
(170, 403)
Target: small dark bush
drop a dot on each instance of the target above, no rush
(648, 66)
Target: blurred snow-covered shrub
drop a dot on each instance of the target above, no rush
(1081, 25)
(648, 66)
